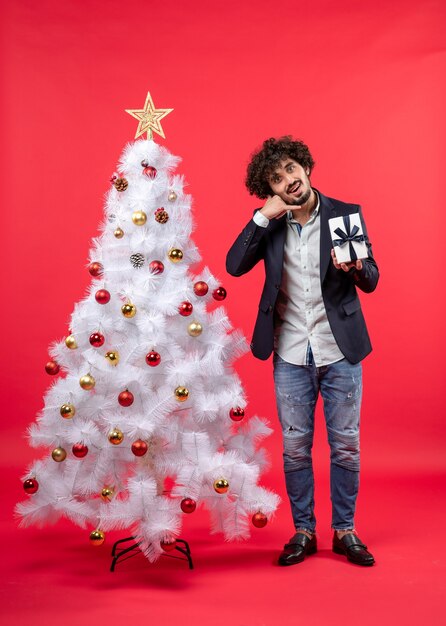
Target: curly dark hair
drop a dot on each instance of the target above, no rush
(268, 158)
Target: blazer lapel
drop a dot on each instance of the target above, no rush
(327, 211)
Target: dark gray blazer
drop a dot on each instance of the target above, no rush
(341, 300)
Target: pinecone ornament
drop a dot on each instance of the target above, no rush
(137, 260)
(161, 216)
(121, 184)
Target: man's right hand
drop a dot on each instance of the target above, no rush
(274, 208)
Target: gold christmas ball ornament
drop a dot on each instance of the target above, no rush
(181, 394)
(70, 342)
(139, 218)
(67, 410)
(59, 454)
(116, 436)
(97, 537)
(107, 494)
(221, 485)
(118, 233)
(175, 255)
(87, 382)
(194, 329)
(128, 309)
(172, 196)
(112, 357)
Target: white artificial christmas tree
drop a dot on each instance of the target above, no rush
(148, 392)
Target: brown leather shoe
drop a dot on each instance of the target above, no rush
(352, 547)
(297, 549)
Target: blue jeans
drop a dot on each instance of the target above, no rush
(297, 390)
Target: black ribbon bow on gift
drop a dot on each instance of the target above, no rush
(348, 237)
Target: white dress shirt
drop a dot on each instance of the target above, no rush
(300, 317)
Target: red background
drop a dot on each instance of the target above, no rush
(363, 84)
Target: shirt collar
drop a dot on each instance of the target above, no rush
(315, 213)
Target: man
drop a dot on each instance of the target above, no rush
(310, 316)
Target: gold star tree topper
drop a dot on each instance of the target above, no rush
(149, 118)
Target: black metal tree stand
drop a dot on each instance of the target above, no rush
(122, 553)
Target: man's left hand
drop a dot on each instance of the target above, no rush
(346, 266)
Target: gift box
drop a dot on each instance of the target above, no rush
(348, 238)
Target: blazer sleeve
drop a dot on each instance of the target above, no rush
(247, 250)
(367, 278)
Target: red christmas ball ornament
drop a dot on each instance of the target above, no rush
(201, 288)
(125, 398)
(52, 368)
(79, 450)
(139, 447)
(156, 267)
(168, 546)
(149, 171)
(219, 293)
(237, 414)
(259, 520)
(97, 340)
(102, 296)
(95, 269)
(153, 358)
(185, 308)
(30, 485)
(188, 505)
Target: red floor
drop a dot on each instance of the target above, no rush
(53, 575)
